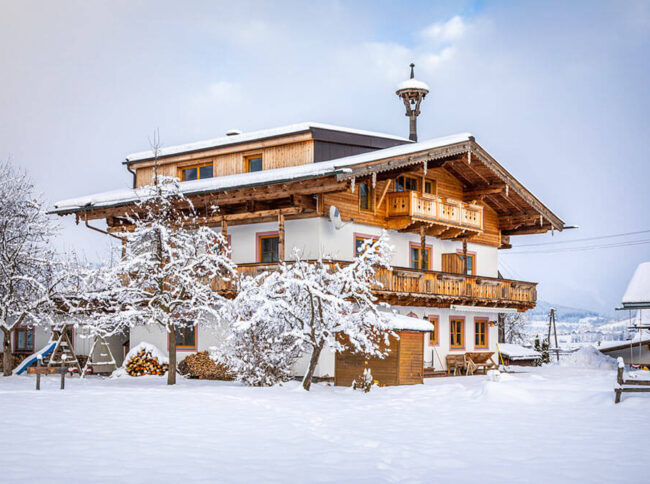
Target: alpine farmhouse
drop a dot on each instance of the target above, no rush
(447, 205)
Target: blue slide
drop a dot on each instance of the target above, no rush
(30, 360)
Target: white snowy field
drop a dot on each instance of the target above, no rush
(551, 424)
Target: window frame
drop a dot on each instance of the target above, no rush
(369, 197)
(434, 186)
(417, 184)
(470, 255)
(434, 336)
(357, 236)
(247, 162)
(198, 170)
(24, 329)
(427, 248)
(486, 332)
(461, 320)
(266, 235)
(185, 347)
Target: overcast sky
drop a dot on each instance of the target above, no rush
(556, 92)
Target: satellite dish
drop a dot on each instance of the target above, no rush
(335, 217)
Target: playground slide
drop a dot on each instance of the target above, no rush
(31, 359)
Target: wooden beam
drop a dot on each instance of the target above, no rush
(423, 246)
(476, 192)
(383, 195)
(281, 236)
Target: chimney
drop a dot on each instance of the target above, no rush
(412, 92)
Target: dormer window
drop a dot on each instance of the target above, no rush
(196, 172)
(254, 163)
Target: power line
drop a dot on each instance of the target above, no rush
(583, 248)
(585, 240)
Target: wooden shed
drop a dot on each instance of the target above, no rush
(404, 364)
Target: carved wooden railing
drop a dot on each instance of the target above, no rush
(417, 282)
(433, 208)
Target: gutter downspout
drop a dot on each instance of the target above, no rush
(100, 230)
(128, 167)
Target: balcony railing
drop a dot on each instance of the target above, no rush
(404, 285)
(430, 207)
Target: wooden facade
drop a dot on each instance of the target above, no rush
(404, 364)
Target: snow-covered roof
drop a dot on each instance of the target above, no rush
(412, 84)
(253, 136)
(638, 339)
(244, 180)
(518, 352)
(637, 294)
(399, 322)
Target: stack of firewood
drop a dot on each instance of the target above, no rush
(15, 361)
(200, 365)
(143, 363)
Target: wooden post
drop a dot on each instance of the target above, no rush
(39, 362)
(63, 369)
(423, 247)
(280, 236)
(171, 339)
(224, 228)
(123, 249)
(465, 256)
(557, 347)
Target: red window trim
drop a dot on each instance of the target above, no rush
(258, 243)
(464, 332)
(356, 236)
(436, 326)
(416, 245)
(487, 332)
(15, 339)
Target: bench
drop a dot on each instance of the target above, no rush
(47, 370)
(639, 386)
(479, 361)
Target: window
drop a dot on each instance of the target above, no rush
(359, 240)
(416, 250)
(430, 187)
(480, 333)
(197, 172)
(186, 337)
(24, 340)
(433, 335)
(456, 329)
(254, 163)
(406, 183)
(365, 194)
(471, 269)
(268, 248)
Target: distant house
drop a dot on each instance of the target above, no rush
(513, 354)
(636, 298)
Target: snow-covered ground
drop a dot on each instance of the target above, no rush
(550, 424)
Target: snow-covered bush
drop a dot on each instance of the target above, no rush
(365, 382)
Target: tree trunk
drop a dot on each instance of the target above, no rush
(306, 382)
(6, 353)
(171, 373)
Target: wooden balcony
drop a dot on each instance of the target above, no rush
(406, 287)
(410, 206)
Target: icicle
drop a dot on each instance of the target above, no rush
(352, 184)
(425, 167)
(507, 190)
(469, 157)
(541, 221)
(374, 179)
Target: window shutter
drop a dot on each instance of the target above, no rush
(452, 263)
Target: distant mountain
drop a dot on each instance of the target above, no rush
(566, 314)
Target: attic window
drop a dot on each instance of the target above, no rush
(196, 172)
(254, 163)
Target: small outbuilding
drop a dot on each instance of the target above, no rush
(513, 354)
(404, 364)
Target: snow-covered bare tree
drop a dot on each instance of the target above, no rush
(514, 327)
(321, 304)
(166, 274)
(33, 279)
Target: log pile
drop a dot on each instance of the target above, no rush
(16, 359)
(201, 366)
(143, 363)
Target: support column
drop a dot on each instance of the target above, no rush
(465, 256)
(224, 229)
(423, 247)
(280, 236)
